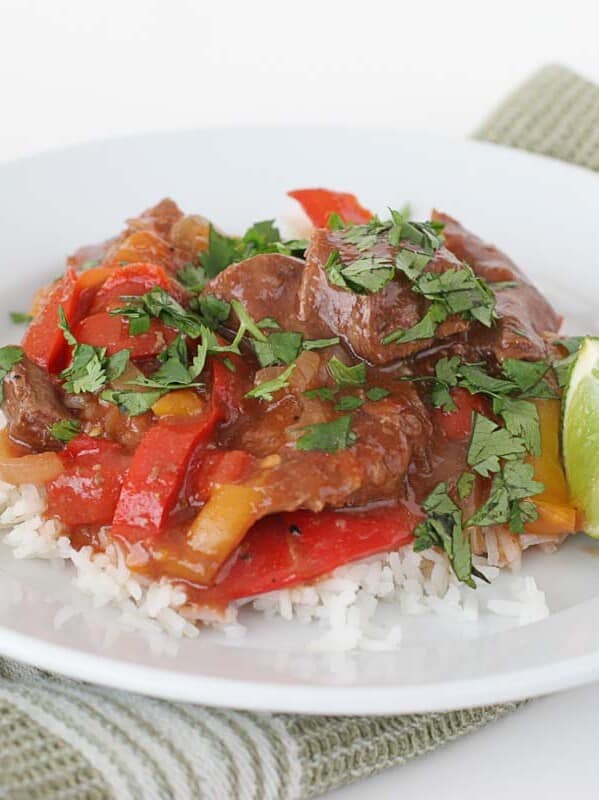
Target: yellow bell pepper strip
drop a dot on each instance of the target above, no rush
(180, 403)
(556, 513)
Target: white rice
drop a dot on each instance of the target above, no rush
(343, 605)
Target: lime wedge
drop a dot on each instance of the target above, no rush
(580, 434)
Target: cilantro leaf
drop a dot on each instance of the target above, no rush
(90, 369)
(348, 403)
(343, 375)
(319, 344)
(280, 348)
(455, 291)
(322, 393)
(521, 419)
(489, 443)
(132, 402)
(159, 304)
(192, 277)
(562, 366)
(443, 528)
(376, 393)
(328, 436)
(65, 429)
(266, 390)
(213, 310)
(268, 322)
(465, 485)
(528, 377)
(20, 318)
(261, 237)
(221, 251)
(508, 498)
(10, 355)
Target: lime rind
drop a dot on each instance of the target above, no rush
(580, 433)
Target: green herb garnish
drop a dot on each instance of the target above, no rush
(443, 528)
(90, 368)
(10, 355)
(508, 500)
(20, 318)
(279, 348)
(266, 390)
(328, 436)
(65, 429)
(343, 375)
(376, 393)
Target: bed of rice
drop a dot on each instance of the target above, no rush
(342, 605)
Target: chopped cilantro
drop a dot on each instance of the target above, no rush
(65, 430)
(455, 291)
(261, 237)
(562, 366)
(159, 304)
(221, 251)
(213, 310)
(335, 222)
(489, 443)
(192, 277)
(529, 376)
(10, 355)
(521, 419)
(443, 528)
(328, 436)
(322, 393)
(266, 390)
(376, 393)
(20, 318)
(465, 485)
(269, 322)
(348, 403)
(343, 375)
(90, 369)
(132, 402)
(508, 500)
(364, 275)
(279, 348)
(319, 344)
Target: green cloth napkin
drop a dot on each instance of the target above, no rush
(63, 740)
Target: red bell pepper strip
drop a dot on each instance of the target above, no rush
(133, 279)
(216, 466)
(319, 204)
(44, 342)
(112, 332)
(456, 425)
(287, 549)
(156, 475)
(86, 493)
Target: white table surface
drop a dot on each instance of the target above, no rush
(74, 69)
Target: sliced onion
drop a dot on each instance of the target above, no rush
(37, 468)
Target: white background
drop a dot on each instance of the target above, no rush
(74, 69)
(71, 71)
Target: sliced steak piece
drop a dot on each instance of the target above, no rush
(524, 313)
(31, 405)
(268, 285)
(362, 321)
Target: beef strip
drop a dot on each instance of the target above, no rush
(268, 285)
(31, 405)
(391, 433)
(524, 314)
(362, 321)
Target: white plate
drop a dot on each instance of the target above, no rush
(542, 212)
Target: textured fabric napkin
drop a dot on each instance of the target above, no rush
(63, 740)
